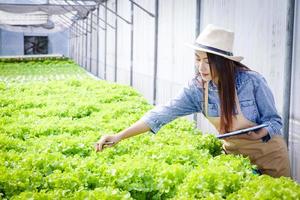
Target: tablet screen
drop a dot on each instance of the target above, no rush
(242, 131)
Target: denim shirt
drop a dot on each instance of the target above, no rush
(255, 98)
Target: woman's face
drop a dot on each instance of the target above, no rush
(203, 65)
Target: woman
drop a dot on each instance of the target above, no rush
(232, 97)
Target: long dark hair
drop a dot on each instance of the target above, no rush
(225, 70)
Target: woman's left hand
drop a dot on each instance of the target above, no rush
(253, 135)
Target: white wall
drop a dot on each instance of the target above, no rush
(12, 43)
(102, 50)
(58, 43)
(143, 49)
(175, 60)
(294, 145)
(94, 64)
(123, 72)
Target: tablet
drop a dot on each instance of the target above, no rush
(242, 131)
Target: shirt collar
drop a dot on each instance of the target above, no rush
(212, 86)
(238, 81)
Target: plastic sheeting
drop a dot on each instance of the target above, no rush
(31, 18)
(54, 16)
(82, 10)
(55, 23)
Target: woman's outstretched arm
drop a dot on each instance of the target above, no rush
(110, 140)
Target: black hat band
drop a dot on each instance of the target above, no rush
(227, 53)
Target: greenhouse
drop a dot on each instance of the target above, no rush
(150, 99)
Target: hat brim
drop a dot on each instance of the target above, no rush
(234, 58)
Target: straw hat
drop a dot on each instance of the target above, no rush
(217, 41)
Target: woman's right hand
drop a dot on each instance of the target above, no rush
(111, 140)
(107, 141)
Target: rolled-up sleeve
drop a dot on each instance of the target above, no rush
(185, 103)
(266, 107)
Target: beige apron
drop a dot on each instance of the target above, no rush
(270, 157)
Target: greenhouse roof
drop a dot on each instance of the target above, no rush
(43, 15)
